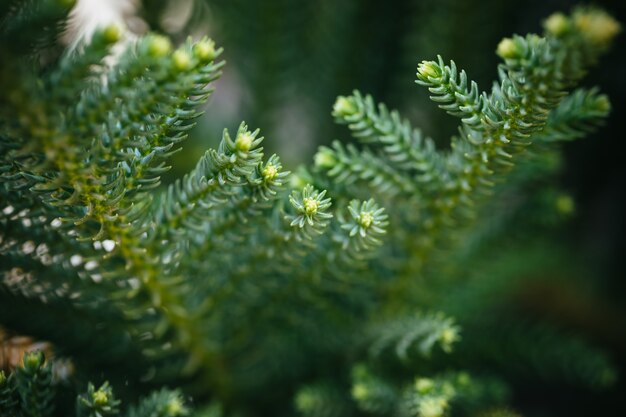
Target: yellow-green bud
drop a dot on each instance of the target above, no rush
(464, 379)
(557, 24)
(324, 158)
(244, 141)
(507, 48)
(344, 106)
(448, 337)
(175, 407)
(305, 401)
(428, 69)
(181, 60)
(204, 50)
(297, 181)
(603, 104)
(112, 33)
(432, 407)
(269, 172)
(596, 25)
(33, 359)
(3, 378)
(159, 46)
(310, 206)
(365, 219)
(565, 204)
(100, 397)
(424, 385)
(360, 392)
(448, 389)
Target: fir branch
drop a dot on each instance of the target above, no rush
(372, 393)
(576, 115)
(9, 399)
(362, 231)
(32, 24)
(420, 333)
(404, 147)
(311, 215)
(321, 400)
(349, 165)
(97, 402)
(81, 66)
(34, 386)
(215, 179)
(163, 403)
(435, 396)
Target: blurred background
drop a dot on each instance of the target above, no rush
(287, 60)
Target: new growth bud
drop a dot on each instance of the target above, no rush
(424, 385)
(433, 407)
(112, 33)
(204, 50)
(429, 69)
(159, 46)
(175, 408)
(244, 141)
(344, 107)
(100, 397)
(365, 219)
(324, 158)
(557, 24)
(310, 206)
(269, 172)
(596, 25)
(181, 60)
(507, 49)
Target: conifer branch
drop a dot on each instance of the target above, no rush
(347, 165)
(420, 334)
(576, 115)
(404, 147)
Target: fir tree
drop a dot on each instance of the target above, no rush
(321, 292)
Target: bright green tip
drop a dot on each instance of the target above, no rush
(448, 337)
(181, 60)
(112, 33)
(244, 141)
(297, 181)
(428, 69)
(595, 25)
(565, 204)
(269, 172)
(365, 219)
(344, 106)
(204, 50)
(464, 379)
(433, 407)
(100, 397)
(557, 24)
(603, 104)
(159, 46)
(324, 159)
(424, 385)
(305, 401)
(33, 359)
(310, 206)
(175, 408)
(507, 48)
(360, 392)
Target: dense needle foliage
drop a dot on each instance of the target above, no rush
(371, 282)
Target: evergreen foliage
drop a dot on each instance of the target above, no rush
(323, 292)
